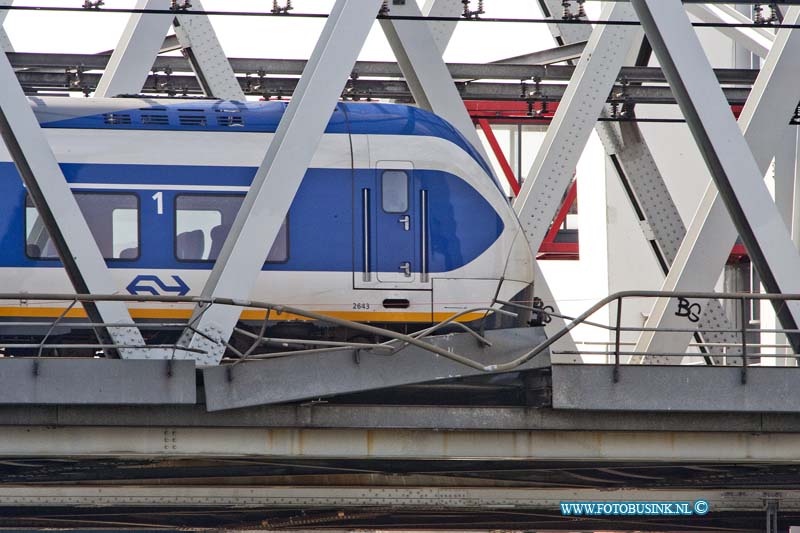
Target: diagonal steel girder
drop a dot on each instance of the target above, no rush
(442, 31)
(569, 131)
(633, 161)
(711, 234)
(279, 176)
(142, 40)
(66, 225)
(567, 135)
(756, 40)
(736, 170)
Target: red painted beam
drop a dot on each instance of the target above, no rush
(572, 195)
(501, 157)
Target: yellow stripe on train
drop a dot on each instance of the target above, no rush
(248, 314)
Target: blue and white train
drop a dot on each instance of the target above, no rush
(398, 219)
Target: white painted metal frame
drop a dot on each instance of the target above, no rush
(136, 51)
(141, 41)
(736, 170)
(442, 31)
(210, 64)
(62, 217)
(278, 178)
(757, 40)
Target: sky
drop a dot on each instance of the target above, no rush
(273, 37)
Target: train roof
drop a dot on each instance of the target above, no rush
(230, 116)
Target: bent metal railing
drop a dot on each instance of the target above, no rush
(616, 347)
(741, 352)
(396, 341)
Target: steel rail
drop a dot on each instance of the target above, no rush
(381, 69)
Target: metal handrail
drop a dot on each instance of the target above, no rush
(619, 297)
(404, 339)
(416, 339)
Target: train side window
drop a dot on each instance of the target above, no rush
(202, 223)
(113, 219)
(394, 191)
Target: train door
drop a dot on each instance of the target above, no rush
(392, 232)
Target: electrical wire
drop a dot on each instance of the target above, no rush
(214, 13)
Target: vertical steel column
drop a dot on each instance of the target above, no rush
(141, 42)
(61, 215)
(711, 234)
(278, 178)
(726, 152)
(426, 73)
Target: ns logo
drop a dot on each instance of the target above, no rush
(153, 285)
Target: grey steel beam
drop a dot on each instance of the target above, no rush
(629, 154)
(142, 41)
(426, 74)
(323, 415)
(393, 497)
(757, 40)
(676, 389)
(524, 67)
(319, 375)
(58, 209)
(562, 33)
(662, 224)
(363, 88)
(43, 381)
(442, 31)
(556, 445)
(581, 106)
(133, 56)
(712, 234)
(559, 54)
(276, 181)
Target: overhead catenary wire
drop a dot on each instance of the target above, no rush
(539, 20)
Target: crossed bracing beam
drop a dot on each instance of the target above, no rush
(736, 202)
(608, 48)
(143, 39)
(769, 246)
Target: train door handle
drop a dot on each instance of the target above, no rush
(405, 268)
(405, 220)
